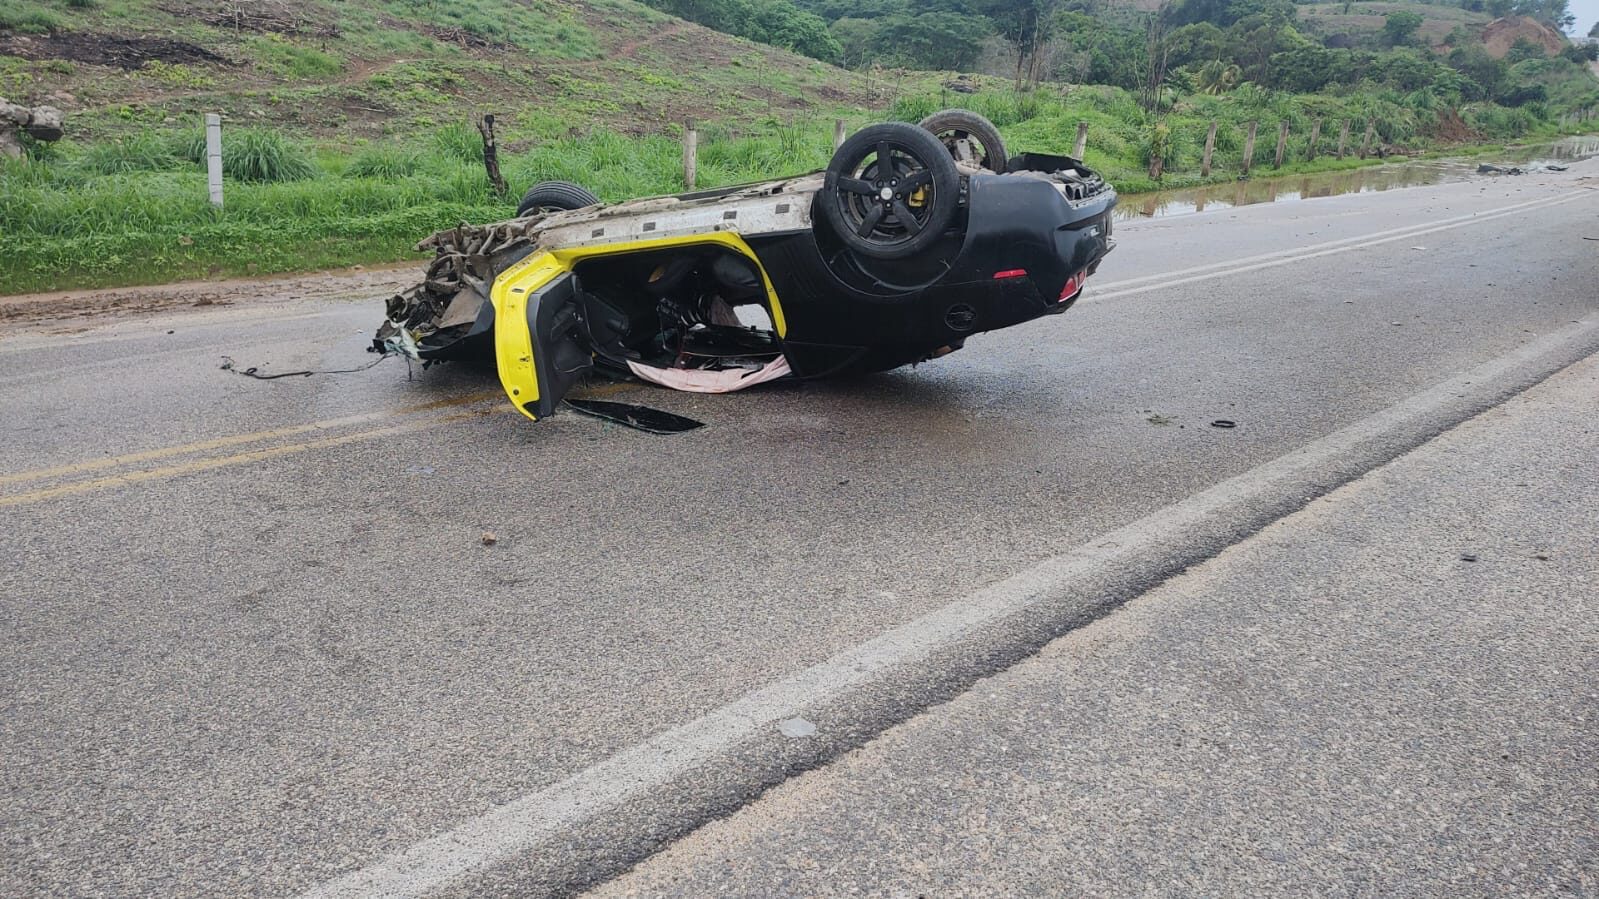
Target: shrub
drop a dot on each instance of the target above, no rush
(256, 154)
(189, 146)
(139, 153)
(459, 140)
(383, 163)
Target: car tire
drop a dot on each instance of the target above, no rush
(921, 181)
(950, 125)
(552, 196)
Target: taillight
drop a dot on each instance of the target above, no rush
(1010, 273)
(1074, 284)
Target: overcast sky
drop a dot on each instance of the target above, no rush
(1586, 12)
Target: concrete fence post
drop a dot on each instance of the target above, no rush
(691, 151)
(1081, 146)
(213, 156)
(1282, 144)
(838, 134)
(1210, 147)
(1249, 147)
(1315, 135)
(1365, 143)
(1343, 138)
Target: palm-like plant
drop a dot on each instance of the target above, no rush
(1217, 77)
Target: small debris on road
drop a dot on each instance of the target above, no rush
(796, 727)
(1468, 557)
(1159, 419)
(489, 539)
(1224, 423)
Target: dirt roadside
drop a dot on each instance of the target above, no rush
(374, 281)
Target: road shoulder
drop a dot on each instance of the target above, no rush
(1389, 690)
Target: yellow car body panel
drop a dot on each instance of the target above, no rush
(514, 345)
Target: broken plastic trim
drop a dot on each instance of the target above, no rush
(641, 418)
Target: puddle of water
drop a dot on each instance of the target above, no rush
(1354, 181)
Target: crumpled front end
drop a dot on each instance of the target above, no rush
(449, 315)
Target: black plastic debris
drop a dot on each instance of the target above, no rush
(642, 418)
(1224, 423)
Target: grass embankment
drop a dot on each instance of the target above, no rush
(136, 211)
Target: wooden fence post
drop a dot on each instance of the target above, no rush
(1282, 144)
(1315, 135)
(1210, 147)
(691, 150)
(1249, 147)
(1343, 138)
(1081, 146)
(213, 156)
(1365, 144)
(491, 155)
(838, 134)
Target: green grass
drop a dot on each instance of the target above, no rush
(136, 211)
(276, 54)
(25, 17)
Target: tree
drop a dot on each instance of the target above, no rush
(1524, 49)
(857, 38)
(1556, 13)
(1197, 44)
(1400, 27)
(1594, 31)
(1484, 76)
(1027, 26)
(777, 22)
(937, 40)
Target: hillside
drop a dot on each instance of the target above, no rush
(1366, 19)
(370, 68)
(1502, 34)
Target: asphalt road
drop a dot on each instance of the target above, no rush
(255, 641)
(1389, 693)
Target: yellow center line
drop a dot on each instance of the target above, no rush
(199, 465)
(238, 439)
(272, 452)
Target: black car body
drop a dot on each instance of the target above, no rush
(703, 291)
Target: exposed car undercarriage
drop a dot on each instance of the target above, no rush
(897, 253)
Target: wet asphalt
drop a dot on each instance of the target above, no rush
(242, 666)
(1390, 692)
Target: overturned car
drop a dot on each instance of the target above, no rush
(911, 241)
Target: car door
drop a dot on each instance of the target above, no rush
(539, 343)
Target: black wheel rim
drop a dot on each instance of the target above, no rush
(888, 195)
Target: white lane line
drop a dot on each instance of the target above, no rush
(1295, 252)
(1174, 282)
(545, 817)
